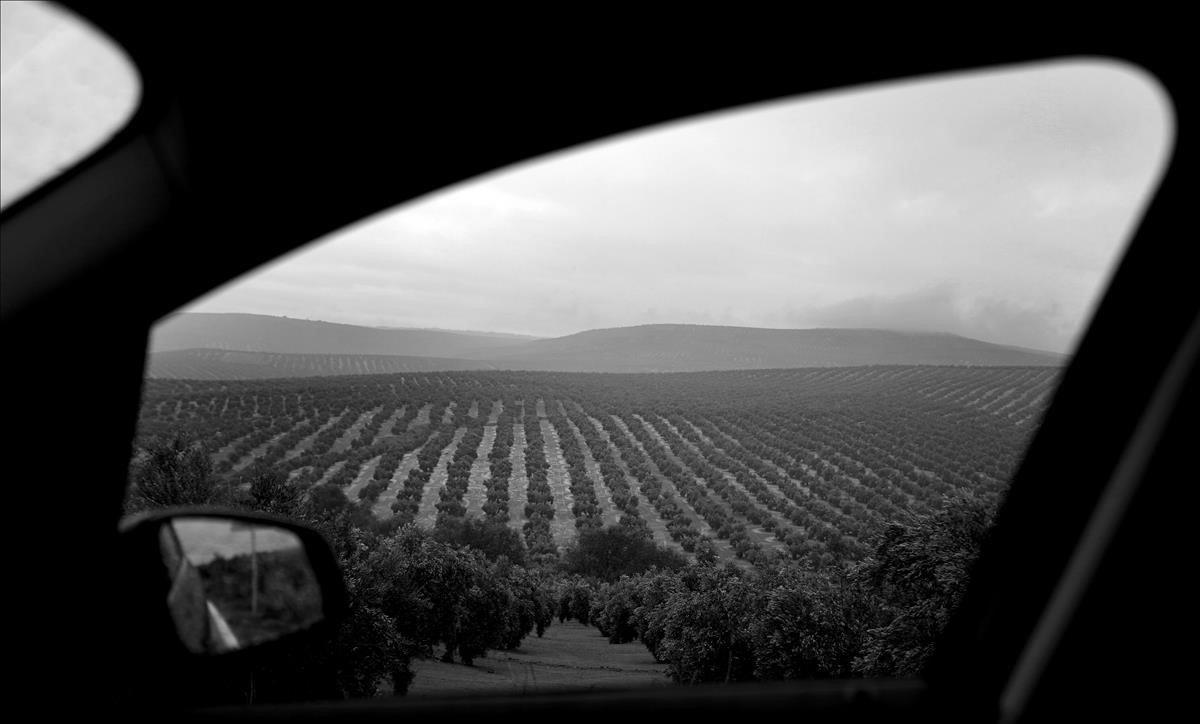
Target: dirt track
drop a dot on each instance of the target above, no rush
(569, 656)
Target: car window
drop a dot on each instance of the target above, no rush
(65, 89)
(730, 399)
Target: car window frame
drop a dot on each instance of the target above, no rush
(1097, 341)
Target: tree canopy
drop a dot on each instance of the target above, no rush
(492, 538)
(173, 472)
(611, 552)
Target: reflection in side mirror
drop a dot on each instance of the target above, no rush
(236, 584)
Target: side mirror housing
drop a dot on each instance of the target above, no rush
(226, 581)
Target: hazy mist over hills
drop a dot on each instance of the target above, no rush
(247, 346)
(691, 347)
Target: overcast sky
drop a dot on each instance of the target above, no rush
(992, 205)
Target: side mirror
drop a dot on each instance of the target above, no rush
(230, 580)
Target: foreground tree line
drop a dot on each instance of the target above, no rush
(456, 592)
(469, 586)
(879, 617)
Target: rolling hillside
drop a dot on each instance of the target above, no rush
(239, 346)
(697, 348)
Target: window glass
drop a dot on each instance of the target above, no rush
(65, 89)
(729, 399)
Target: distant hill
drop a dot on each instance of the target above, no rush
(474, 332)
(693, 348)
(261, 333)
(203, 346)
(219, 364)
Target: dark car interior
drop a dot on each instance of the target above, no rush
(262, 128)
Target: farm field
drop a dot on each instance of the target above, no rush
(804, 464)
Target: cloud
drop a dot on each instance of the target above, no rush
(945, 308)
